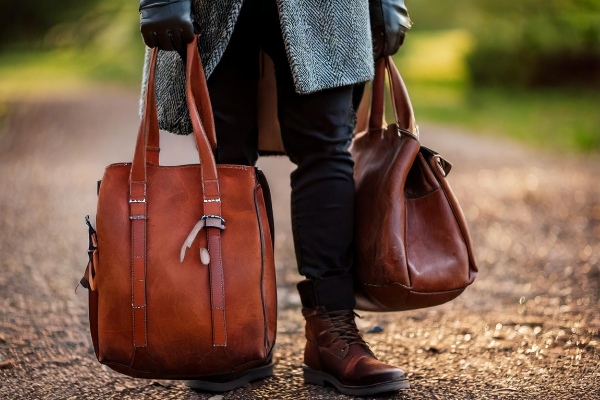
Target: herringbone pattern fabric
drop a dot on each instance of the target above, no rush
(328, 43)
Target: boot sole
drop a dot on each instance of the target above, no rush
(248, 376)
(321, 378)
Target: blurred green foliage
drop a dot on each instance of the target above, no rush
(73, 44)
(479, 64)
(440, 14)
(434, 69)
(524, 43)
(43, 25)
(533, 43)
(24, 23)
(525, 69)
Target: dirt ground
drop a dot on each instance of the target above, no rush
(528, 328)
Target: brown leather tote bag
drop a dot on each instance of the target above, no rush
(412, 242)
(183, 283)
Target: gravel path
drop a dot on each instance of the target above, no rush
(529, 327)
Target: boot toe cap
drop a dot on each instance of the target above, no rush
(369, 371)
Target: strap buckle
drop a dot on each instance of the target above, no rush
(213, 221)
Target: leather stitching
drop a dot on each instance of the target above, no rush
(218, 235)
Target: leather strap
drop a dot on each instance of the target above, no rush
(197, 97)
(210, 192)
(138, 216)
(138, 213)
(401, 104)
(403, 110)
(377, 115)
(206, 114)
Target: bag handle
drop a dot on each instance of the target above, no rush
(402, 105)
(205, 109)
(200, 114)
(198, 101)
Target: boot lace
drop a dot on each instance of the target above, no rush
(342, 322)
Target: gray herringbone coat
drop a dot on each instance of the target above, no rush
(328, 43)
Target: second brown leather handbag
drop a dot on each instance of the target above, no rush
(413, 247)
(182, 282)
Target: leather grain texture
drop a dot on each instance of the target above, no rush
(413, 245)
(155, 316)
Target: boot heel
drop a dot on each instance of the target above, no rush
(313, 377)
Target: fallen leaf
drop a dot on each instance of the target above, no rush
(8, 364)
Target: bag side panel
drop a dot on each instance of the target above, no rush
(93, 310)
(243, 267)
(113, 272)
(437, 256)
(460, 218)
(269, 285)
(382, 162)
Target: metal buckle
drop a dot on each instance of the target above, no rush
(213, 221)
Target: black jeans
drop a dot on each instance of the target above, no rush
(316, 132)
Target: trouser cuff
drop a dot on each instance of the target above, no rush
(334, 293)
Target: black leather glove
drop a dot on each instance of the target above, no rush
(166, 24)
(389, 23)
